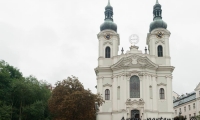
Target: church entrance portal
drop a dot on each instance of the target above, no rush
(135, 114)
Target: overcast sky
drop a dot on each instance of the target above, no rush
(54, 39)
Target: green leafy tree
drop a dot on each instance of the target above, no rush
(70, 101)
(5, 111)
(22, 98)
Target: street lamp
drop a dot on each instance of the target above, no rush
(180, 115)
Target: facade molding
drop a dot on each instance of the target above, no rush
(107, 85)
(161, 84)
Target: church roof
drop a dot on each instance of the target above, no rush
(184, 99)
(198, 87)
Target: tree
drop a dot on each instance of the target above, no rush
(22, 98)
(198, 116)
(70, 101)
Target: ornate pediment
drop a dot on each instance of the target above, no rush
(134, 61)
(134, 102)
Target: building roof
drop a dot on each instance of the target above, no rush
(198, 87)
(184, 99)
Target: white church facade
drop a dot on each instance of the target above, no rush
(135, 84)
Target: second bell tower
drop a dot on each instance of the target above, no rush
(158, 38)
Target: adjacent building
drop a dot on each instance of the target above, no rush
(188, 105)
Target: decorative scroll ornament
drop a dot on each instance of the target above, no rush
(107, 42)
(139, 102)
(160, 41)
(162, 84)
(135, 61)
(107, 85)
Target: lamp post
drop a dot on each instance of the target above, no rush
(180, 115)
(96, 108)
(122, 118)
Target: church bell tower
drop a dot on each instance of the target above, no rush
(158, 38)
(108, 38)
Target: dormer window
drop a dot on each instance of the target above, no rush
(160, 51)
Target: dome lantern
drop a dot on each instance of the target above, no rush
(108, 21)
(157, 20)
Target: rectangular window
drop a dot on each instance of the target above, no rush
(194, 114)
(179, 109)
(118, 93)
(184, 109)
(199, 93)
(189, 107)
(193, 105)
(175, 112)
(189, 115)
(151, 93)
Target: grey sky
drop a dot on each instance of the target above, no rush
(53, 39)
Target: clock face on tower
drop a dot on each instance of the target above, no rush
(107, 36)
(159, 35)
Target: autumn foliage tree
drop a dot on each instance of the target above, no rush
(70, 101)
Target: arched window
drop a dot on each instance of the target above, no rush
(107, 52)
(107, 94)
(160, 51)
(134, 87)
(162, 93)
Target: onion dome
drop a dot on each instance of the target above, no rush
(108, 21)
(157, 20)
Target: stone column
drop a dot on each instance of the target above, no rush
(144, 90)
(124, 91)
(114, 46)
(100, 89)
(141, 88)
(169, 94)
(147, 92)
(154, 92)
(118, 102)
(114, 94)
(101, 49)
(128, 87)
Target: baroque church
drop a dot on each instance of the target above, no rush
(134, 84)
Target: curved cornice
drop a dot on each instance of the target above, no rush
(105, 32)
(134, 61)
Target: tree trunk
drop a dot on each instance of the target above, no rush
(20, 111)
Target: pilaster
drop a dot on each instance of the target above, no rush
(114, 99)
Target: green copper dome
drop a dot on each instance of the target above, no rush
(157, 20)
(108, 21)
